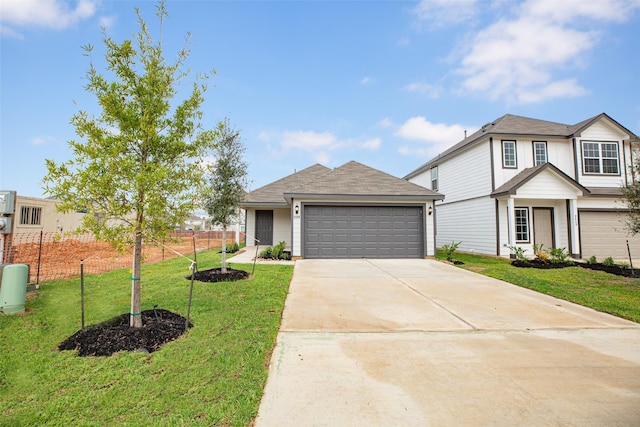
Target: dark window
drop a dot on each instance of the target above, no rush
(509, 154)
(30, 215)
(522, 225)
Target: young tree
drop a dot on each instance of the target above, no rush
(631, 194)
(136, 168)
(227, 182)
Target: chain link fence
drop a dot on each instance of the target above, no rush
(53, 256)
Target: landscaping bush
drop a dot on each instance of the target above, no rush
(449, 250)
(275, 252)
(518, 252)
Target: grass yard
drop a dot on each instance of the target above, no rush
(214, 375)
(601, 291)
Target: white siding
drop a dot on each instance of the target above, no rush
(560, 230)
(471, 222)
(466, 175)
(559, 153)
(282, 226)
(250, 227)
(547, 185)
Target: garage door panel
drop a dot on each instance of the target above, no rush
(603, 234)
(362, 231)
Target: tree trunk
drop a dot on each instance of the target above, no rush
(135, 319)
(224, 249)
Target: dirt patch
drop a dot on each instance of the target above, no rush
(158, 328)
(216, 275)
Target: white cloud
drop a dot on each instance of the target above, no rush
(404, 41)
(41, 140)
(319, 145)
(366, 80)
(54, 14)
(442, 13)
(107, 21)
(437, 136)
(527, 58)
(385, 123)
(427, 89)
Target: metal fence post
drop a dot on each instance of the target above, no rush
(39, 260)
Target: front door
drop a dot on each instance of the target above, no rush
(264, 228)
(543, 227)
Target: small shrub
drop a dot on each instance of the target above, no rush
(592, 260)
(559, 255)
(449, 250)
(609, 262)
(540, 253)
(266, 253)
(276, 253)
(518, 251)
(233, 248)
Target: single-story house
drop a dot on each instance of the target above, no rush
(353, 211)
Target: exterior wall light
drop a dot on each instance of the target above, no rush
(297, 209)
(430, 210)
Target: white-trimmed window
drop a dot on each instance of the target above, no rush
(522, 224)
(434, 178)
(509, 154)
(30, 215)
(600, 158)
(539, 153)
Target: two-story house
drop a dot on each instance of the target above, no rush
(520, 181)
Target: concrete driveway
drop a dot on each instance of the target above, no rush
(422, 343)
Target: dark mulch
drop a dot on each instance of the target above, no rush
(535, 263)
(116, 335)
(216, 275)
(613, 269)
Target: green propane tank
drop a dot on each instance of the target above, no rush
(13, 288)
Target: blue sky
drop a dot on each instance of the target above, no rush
(386, 83)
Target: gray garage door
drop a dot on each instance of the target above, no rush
(363, 232)
(603, 234)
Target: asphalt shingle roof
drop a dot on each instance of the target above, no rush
(356, 179)
(510, 124)
(511, 186)
(273, 193)
(353, 180)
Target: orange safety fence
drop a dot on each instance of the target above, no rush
(53, 256)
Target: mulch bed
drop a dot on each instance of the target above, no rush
(216, 275)
(158, 328)
(615, 269)
(534, 263)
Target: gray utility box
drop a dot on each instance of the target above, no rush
(13, 287)
(7, 202)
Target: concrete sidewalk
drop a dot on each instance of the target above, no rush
(418, 342)
(247, 255)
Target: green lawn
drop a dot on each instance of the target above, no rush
(214, 375)
(601, 291)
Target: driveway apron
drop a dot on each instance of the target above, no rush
(422, 343)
